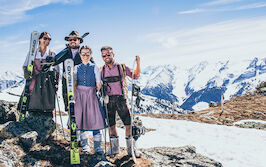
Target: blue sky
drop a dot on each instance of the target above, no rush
(181, 32)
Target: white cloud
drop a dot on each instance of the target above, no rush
(13, 11)
(193, 11)
(235, 39)
(251, 6)
(12, 18)
(221, 2)
(225, 9)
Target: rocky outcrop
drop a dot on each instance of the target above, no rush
(178, 156)
(28, 147)
(244, 107)
(34, 143)
(55, 152)
(252, 125)
(8, 111)
(213, 104)
(261, 89)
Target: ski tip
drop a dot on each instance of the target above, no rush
(85, 34)
(35, 32)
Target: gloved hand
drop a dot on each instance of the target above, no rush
(50, 59)
(98, 94)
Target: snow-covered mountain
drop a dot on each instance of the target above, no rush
(195, 87)
(9, 79)
(190, 88)
(148, 104)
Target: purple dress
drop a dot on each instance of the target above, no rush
(88, 111)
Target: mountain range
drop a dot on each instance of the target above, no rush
(10, 78)
(194, 88)
(189, 88)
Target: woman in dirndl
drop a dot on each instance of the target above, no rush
(89, 113)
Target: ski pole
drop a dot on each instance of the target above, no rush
(60, 115)
(132, 114)
(58, 110)
(105, 149)
(105, 102)
(55, 125)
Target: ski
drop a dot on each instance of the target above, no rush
(34, 42)
(85, 34)
(59, 56)
(132, 116)
(74, 149)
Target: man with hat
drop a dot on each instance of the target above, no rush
(70, 52)
(74, 41)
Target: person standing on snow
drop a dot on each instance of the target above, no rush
(89, 114)
(114, 84)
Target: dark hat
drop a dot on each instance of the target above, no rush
(74, 34)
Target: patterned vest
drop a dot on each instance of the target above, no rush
(86, 75)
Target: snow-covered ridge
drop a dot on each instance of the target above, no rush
(10, 78)
(191, 88)
(204, 82)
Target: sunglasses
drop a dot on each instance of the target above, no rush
(45, 38)
(85, 54)
(72, 39)
(107, 55)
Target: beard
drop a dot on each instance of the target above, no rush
(109, 61)
(74, 47)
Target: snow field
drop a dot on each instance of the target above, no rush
(232, 146)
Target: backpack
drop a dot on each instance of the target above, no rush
(121, 78)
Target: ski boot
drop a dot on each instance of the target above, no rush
(84, 142)
(129, 150)
(114, 143)
(97, 140)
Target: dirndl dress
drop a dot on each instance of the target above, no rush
(89, 112)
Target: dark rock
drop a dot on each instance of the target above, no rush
(42, 123)
(36, 128)
(252, 125)
(13, 129)
(178, 156)
(29, 139)
(10, 153)
(8, 111)
(213, 104)
(33, 143)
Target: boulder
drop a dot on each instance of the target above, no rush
(178, 156)
(8, 111)
(213, 104)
